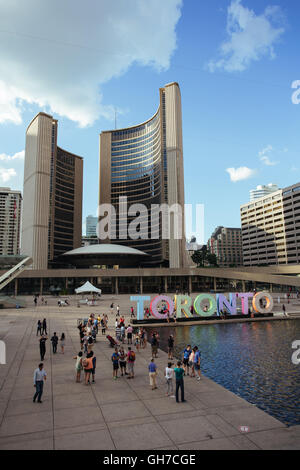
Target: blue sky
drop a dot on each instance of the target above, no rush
(235, 62)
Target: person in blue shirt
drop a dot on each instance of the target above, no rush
(186, 355)
(152, 374)
(197, 359)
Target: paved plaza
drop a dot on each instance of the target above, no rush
(121, 414)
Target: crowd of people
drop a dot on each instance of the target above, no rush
(123, 358)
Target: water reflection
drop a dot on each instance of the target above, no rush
(252, 360)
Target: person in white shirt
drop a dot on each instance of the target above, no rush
(169, 378)
(38, 382)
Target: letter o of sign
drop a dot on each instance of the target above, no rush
(154, 303)
(212, 305)
(259, 296)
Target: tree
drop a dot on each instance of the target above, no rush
(203, 257)
(211, 258)
(199, 256)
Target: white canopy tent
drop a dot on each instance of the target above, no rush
(88, 288)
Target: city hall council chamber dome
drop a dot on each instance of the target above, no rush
(104, 254)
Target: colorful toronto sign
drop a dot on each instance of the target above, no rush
(262, 302)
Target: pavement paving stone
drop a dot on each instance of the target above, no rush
(77, 416)
(24, 423)
(94, 440)
(140, 437)
(198, 426)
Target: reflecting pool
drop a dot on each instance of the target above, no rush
(253, 360)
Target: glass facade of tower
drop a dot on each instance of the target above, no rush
(136, 174)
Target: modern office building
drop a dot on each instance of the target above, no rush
(271, 228)
(262, 190)
(10, 218)
(226, 244)
(91, 226)
(52, 196)
(144, 163)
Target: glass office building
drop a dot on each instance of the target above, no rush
(144, 164)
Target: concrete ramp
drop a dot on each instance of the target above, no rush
(6, 302)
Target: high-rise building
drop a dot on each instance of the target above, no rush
(91, 226)
(262, 190)
(145, 164)
(271, 228)
(10, 218)
(226, 244)
(52, 197)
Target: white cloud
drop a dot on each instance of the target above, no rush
(58, 54)
(264, 156)
(16, 156)
(241, 173)
(6, 174)
(250, 37)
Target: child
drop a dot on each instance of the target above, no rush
(137, 342)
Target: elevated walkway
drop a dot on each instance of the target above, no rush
(14, 272)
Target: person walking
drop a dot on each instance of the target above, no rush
(169, 380)
(179, 373)
(152, 373)
(54, 341)
(44, 331)
(131, 312)
(130, 363)
(39, 376)
(62, 343)
(115, 361)
(154, 345)
(39, 328)
(170, 346)
(78, 366)
(118, 310)
(122, 360)
(43, 346)
(197, 359)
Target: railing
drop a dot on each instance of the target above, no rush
(12, 273)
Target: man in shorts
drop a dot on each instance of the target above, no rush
(115, 361)
(186, 356)
(130, 363)
(129, 334)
